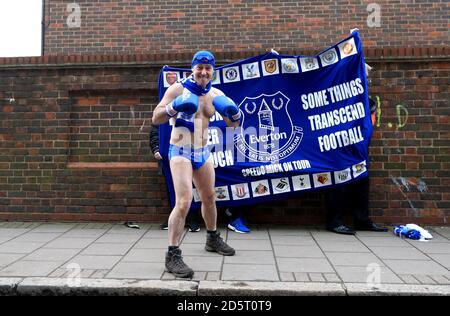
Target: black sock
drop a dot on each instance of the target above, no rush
(211, 232)
(171, 248)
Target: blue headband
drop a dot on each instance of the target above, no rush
(203, 57)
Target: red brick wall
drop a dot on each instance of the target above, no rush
(73, 142)
(148, 26)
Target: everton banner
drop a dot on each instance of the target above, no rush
(305, 124)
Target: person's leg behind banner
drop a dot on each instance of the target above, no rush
(204, 181)
(181, 170)
(360, 207)
(336, 202)
(237, 222)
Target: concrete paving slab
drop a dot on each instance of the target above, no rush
(124, 230)
(440, 279)
(145, 255)
(37, 286)
(251, 257)
(353, 259)
(240, 288)
(13, 232)
(8, 258)
(251, 236)
(286, 231)
(443, 231)
(432, 248)
(409, 279)
(250, 244)
(118, 238)
(19, 247)
(407, 253)
(363, 274)
(212, 276)
(293, 240)
(298, 251)
(152, 243)
(107, 249)
(425, 279)
(287, 277)
(195, 250)
(50, 254)
(53, 228)
(334, 246)
(383, 241)
(304, 265)
(4, 239)
(301, 276)
(137, 270)
(442, 259)
(95, 262)
(70, 243)
(37, 237)
(194, 238)
(325, 236)
(29, 268)
(84, 233)
(204, 263)
(416, 267)
(255, 272)
(153, 233)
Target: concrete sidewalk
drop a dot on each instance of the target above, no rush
(45, 258)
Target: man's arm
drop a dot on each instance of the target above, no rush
(227, 108)
(160, 115)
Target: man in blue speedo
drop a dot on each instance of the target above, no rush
(190, 104)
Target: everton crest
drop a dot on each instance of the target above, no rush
(267, 132)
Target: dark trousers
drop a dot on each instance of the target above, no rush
(353, 197)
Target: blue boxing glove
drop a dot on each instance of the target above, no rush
(227, 108)
(186, 103)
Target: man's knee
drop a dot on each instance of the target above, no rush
(184, 204)
(209, 199)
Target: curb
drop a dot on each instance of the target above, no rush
(224, 288)
(359, 289)
(60, 286)
(34, 286)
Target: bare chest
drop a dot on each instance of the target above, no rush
(205, 107)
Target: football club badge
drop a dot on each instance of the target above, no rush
(216, 77)
(359, 169)
(240, 191)
(170, 77)
(347, 48)
(301, 182)
(329, 57)
(260, 188)
(342, 176)
(222, 194)
(250, 71)
(289, 65)
(281, 185)
(270, 67)
(322, 179)
(231, 74)
(309, 63)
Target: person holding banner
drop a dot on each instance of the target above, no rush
(355, 196)
(189, 105)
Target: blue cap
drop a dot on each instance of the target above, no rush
(203, 57)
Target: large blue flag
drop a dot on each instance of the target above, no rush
(305, 124)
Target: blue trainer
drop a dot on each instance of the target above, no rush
(238, 226)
